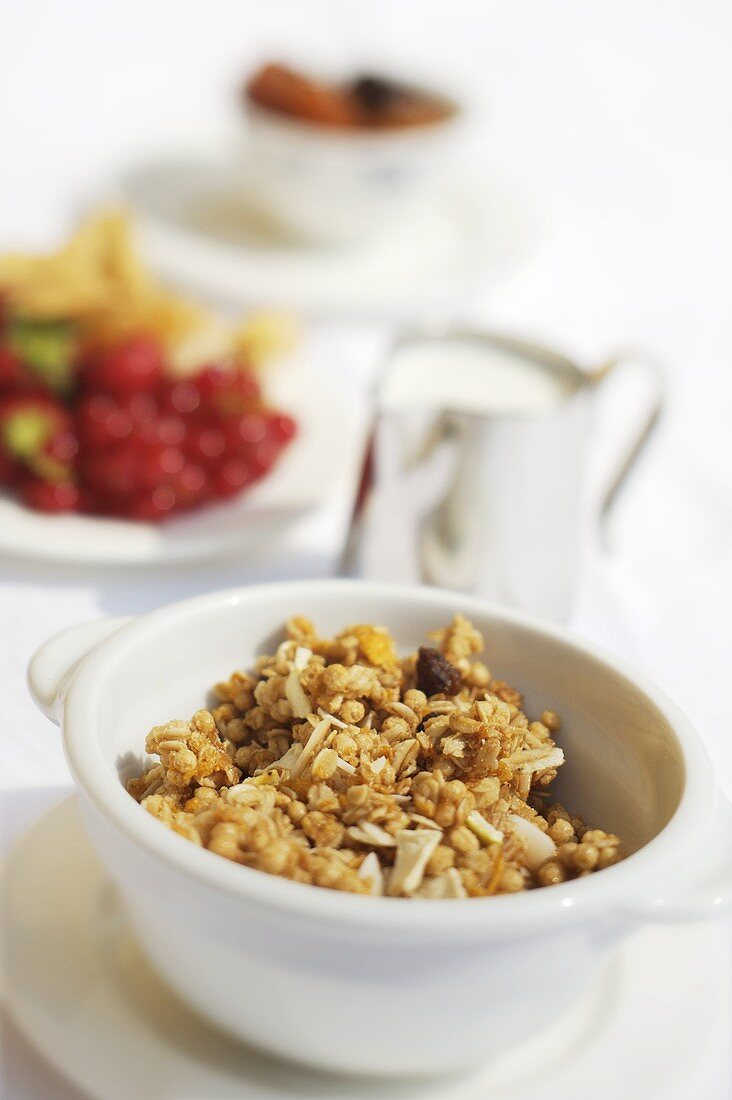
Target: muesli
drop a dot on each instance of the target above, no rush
(340, 764)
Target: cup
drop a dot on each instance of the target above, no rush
(478, 463)
(331, 187)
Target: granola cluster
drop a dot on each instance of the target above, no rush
(339, 764)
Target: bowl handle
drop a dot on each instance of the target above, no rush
(712, 896)
(53, 665)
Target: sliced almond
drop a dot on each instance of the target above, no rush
(538, 845)
(371, 868)
(414, 848)
(447, 885)
(368, 833)
(313, 743)
(483, 829)
(296, 697)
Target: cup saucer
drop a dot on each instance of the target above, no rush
(79, 988)
(199, 230)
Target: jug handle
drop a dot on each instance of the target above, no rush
(637, 364)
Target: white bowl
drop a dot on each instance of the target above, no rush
(382, 985)
(330, 186)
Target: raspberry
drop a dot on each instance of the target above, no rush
(264, 456)
(281, 427)
(190, 485)
(242, 433)
(170, 430)
(231, 478)
(182, 398)
(11, 369)
(101, 420)
(156, 505)
(119, 424)
(10, 470)
(142, 407)
(43, 496)
(91, 419)
(205, 442)
(225, 389)
(134, 366)
(63, 447)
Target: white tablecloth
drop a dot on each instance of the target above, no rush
(611, 121)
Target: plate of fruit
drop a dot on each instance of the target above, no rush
(138, 426)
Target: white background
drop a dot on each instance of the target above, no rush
(611, 124)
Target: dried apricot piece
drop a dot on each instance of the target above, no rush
(375, 644)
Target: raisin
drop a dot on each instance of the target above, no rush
(435, 674)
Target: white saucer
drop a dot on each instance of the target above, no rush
(198, 231)
(78, 987)
(304, 478)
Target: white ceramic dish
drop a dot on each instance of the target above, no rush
(301, 480)
(333, 186)
(77, 985)
(307, 969)
(198, 231)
